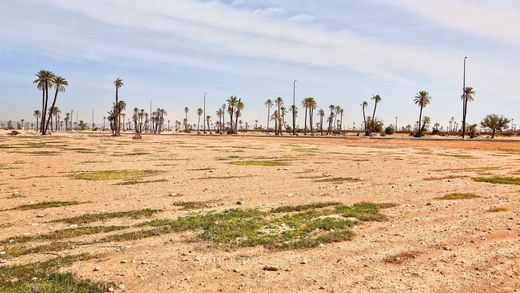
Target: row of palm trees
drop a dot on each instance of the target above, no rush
(46, 80)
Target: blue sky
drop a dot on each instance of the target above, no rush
(341, 52)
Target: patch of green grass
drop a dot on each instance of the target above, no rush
(223, 177)
(16, 251)
(64, 234)
(499, 180)
(43, 277)
(258, 163)
(201, 169)
(305, 207)
(336, 180)
(458, 156)
(445, 177)
(311, 226)
(457, 196)
(473, 169)
(136, 235)
(89, 218)
(135, 182)
(194, 205)
(46, 205)
(115, 174)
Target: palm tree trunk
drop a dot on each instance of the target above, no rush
(419, 130)
(268, 116)
(310, 120)
(372, 127)
(40, 126)
(305, 125)
(198, 125)
(116, 114)
(45, 110)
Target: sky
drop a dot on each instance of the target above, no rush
(342, 52)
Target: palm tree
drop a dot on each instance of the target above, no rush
(232, 103)
(44, 82)
(199, 113)
(495, 122)
(67, 119)
(118, 108)
(422, 99)
(321, 113)
(311, 105)
(338, 112)
(37, 114)
(118, 83)
(220, 114)
(269, 104)
(186, 110)
(467, 96)
(240, 107)
(279, 103)
(377, 99)
(59, 84)
(331, 118)
(305, 104)
(364, 105)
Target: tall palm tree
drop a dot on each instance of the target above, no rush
(186, 110)
(305, 104)
(321, 113)
(467, 96)
(44, 82)
(279, 103)
(240, 107)
(377, 99)
(364, 106)
(200, 111)
(37, 114)
(67, 119)
(232, 103)
(338, 112)
(312, 105)
(422, 99)
(118, 83)
(331, 118)
(269, 104)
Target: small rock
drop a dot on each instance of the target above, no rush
(121, 286)
(110, 289)
(236, 271)
(239, 202)
(123, 261)
(304, 262)
(97, 269)
(271, 268)
(34, 278)
(73, 226)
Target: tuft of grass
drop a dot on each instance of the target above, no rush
(401, 257)
(498, 180)
(46, 205)
(457, 196)
(336, 180)
(136, 235)
(309, 227)
(305, 207)
(458, 156)
(65, 234)
(445, 177)
(264, 163)
(89, 218)
(193, 205)
(43, 277)
(224, 177)
(115, 174)
(135, 182)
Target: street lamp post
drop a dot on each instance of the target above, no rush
(294, 108)
(204, 118)
(464, 102)
(396, 129)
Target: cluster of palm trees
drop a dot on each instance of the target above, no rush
(45, 81)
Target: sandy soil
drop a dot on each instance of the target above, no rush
(458, 245)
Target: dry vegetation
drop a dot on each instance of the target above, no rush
(206, 214)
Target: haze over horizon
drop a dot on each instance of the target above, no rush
(341, 53)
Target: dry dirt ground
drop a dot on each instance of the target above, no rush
(425, 244)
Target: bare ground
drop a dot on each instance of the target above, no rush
(425, 245)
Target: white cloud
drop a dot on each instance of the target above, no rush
(496, 20)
